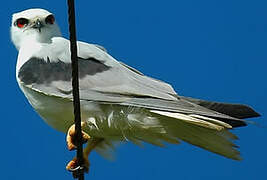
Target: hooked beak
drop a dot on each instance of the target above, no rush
(37, 25)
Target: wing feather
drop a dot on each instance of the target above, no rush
(105, 80)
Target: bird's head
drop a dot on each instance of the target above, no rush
(33, 25)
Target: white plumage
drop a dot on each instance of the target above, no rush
(118, 102)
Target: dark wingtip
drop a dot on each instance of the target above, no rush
(247, 112)
(239, 111)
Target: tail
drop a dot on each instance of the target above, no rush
(206, 129)
(207, 133)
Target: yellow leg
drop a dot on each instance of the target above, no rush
(91, 145)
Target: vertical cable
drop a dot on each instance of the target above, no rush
(75, 89)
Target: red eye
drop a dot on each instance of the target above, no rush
(50, 19)
(21, 22)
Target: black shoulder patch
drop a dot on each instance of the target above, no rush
(39, 71)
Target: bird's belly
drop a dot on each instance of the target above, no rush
(103, 120)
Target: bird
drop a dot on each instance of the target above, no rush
(118, 102)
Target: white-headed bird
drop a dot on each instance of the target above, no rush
(118, 103)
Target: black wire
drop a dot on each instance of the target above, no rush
(75, 89)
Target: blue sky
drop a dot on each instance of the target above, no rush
(214, 50)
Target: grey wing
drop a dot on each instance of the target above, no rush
(99, 80)
(105, 84)
(106, 80)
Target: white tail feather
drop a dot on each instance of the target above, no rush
(212, 120)
(190, 119)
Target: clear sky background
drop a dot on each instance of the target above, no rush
(214, 50)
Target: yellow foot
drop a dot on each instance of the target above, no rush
(71, 140)
(73, 166)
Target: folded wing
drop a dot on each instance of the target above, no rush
(105, 80)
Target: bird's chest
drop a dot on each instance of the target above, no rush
(56, 112)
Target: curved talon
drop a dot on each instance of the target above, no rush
(78, 168)
(76, 171)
